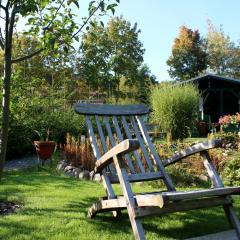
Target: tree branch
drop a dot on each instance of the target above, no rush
(41, 49)
(3, 7)
(86, 21)
(27, 56)
(55, 15)
(1, 40)
(6, 25)
(11, 23)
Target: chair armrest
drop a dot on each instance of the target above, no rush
(123, 147)
(196, 148)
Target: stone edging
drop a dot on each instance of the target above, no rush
(77, 172)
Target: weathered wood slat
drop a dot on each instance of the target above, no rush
(125, 146)
(182, 206)
(106, 182)
(138, 135)
(154, 205)
(120, 203)
(197, 148)
(105, 206)
(110, 110)
(154, 154)
(175, 196)
(103, 141)
(211, 170)
(93, 140)
(136, 155)
(140, 177)
(109, 131)
(120, 137)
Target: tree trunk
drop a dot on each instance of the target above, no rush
(5, 107)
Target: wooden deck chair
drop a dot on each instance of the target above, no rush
(122, 164)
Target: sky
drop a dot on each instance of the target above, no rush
(160, 20)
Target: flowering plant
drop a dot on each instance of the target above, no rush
(227, 119)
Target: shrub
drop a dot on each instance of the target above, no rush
(228, 139)
(231, 172)
(21, 131)
(175, 108)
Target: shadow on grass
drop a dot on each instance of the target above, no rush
(174, 226)
(187, 224)
(190, 224)
(17, 229)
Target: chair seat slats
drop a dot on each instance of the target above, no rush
(177, 196)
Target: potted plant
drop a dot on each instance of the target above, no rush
(44, 147)
(230, 123)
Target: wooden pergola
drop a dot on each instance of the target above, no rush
(220, 95)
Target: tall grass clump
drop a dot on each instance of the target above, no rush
(175, 108)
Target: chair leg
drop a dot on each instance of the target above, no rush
(232, 218)
(137, 228)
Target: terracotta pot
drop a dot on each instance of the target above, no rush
(202, 128)
(44, 149)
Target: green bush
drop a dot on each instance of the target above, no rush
(21, 132)
(231, 171)
(228, 138)
(175, 108)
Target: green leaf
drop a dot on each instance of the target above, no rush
(102, 24)
(65, 48)
(77, 4)
(102, 6)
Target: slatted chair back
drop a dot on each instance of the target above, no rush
(110, 124)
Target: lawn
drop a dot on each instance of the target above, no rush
(55, 208)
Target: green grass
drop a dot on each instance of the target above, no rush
(55, 208)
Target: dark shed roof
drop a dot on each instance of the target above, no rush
(212, 80)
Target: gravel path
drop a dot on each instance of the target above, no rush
(21, 163)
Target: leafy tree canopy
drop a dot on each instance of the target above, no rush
(53, 23)
(110, 53)
(188, 57)
(223, 54)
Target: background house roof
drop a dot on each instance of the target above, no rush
(213, 77)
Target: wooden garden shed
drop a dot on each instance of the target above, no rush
(220, 96)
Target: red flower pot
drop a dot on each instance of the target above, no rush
(44, 149)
